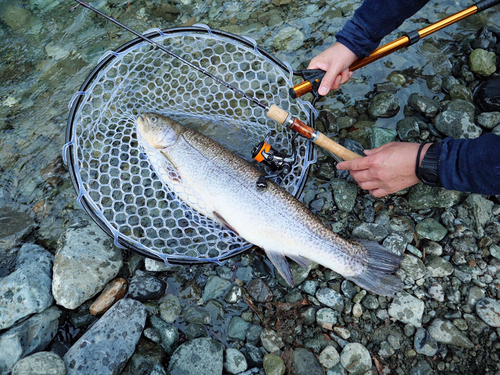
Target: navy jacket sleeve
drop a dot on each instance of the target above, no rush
(373, 20)
(471, 165)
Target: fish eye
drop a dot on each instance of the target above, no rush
(153, 119)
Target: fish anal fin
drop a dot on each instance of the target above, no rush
(278, 259)
(223, 222)
(300, 260)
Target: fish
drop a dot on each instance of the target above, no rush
(270, 217)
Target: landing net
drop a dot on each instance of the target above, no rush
(118, 184)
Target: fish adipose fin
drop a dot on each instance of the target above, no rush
(278, 259)
(379, 276)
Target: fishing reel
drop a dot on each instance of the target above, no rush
(277, 161)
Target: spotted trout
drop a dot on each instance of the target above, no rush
(270, 217)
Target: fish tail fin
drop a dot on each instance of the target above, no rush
(379, 276)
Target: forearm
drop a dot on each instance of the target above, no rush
(373, 20)
(471, 165)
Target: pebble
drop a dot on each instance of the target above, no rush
(259, 290)
(274, 365)
(407, 309)
(28, 337)
(144, 287)
(356, 358)
(357, 310)
(147, 356)
(444, 332)
(483, 62)
(235, 362)
(253, 355)
(408, 128)
(329, 357)
(107, 346)
(489, 120)
(370, 231)
(169, 335)
(488, 310)
(457, 124)
(195, 330)
(196, 314)
(422, 104)
(170, 308)
(289, 39)
(413, 267)
(438, 267)
(424, 343)
(27, 290)
(237, 329)
(271, 340)
(114, 291)
(330, 298)
(381, 136)
(85, 262)
(436, 291)
(345, 194)
(431, 230)
(199, 356)
(326, 318)
(41, 363)
(215, 287)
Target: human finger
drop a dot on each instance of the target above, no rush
(355, 164)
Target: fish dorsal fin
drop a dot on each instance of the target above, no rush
(281, 264)
(300, 260)
(223, 222)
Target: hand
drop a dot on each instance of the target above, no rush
(335, 61)
(386, 169)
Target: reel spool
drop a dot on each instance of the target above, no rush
(118, 186)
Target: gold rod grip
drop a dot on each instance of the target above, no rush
(334, 147)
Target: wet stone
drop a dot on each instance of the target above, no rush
(488, 310)
(271, 340)
(144, 287)
(407, 309)
(384, 104)
(259, 291)
(458, 92)
(408, 128)
(422, 368)
(326, 318)
(370, 231)
(41, 363)
(436, 291)
(237, 329)
(274, 365)
(253, 334)
(305, 363)
(424, 343)
(253, 355)
(444, 332)
(371, 302)
(27, 290)
(235, 362)
(168, 334)
(435, 84)
(395, 243)
(489, 120)
(199, 356)
(288, 39)
(215, 287)
(422, 196)
(381, 136)
(413, 267)
(15, 226)
(438, 267)
(196, 314)
(348, 288)
(84, 264)
(152, 335)
(476, 211)
(30, 336)
(422, 104)
(386, 350)
(457, 124)
(431, 230)
(356, 358)
(483, 62)
(195, 330)
(146, 356)
(234, 294)
(107, 346)
(170, 308)
(113, 292)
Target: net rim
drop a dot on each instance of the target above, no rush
(68, 151)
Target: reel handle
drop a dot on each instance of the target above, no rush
(284, 118)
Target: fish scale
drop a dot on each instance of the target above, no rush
(268, 217)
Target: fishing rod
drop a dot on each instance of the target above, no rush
(273, 112)
(313, 77)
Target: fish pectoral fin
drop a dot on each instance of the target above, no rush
(300, 260)
(279, 260)
(223, 222)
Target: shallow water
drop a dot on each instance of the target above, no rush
(47, 53)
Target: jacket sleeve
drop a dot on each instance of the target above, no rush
(373, 20)
(471, 165)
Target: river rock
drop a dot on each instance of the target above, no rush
(384, 104)
(444, 332)
(84, 263)
(235, 362)
(431, 230)
(305, 363)
(146, 356)
(381, 136)
(168, 333)
(27, 290)
(113, 292)
(106, 347)
(144, 287)
(288, 39)
(170, 308)
(407, 309)
(259, 290)
(30, 336)
(356, 358)
(457, 124)
(422, 196)
(488, 310)
(199, 356)
(489, 120)
(15, 226)
(330, 298)
(422, 104)
(424, 343)
(42, 363)
(215, 287)
(237, 329)
(370, 231)
(483, 62)
(408, 128)
(460, 92)
(271, 341)
(476, 211)
(344, 194)
(274, 365)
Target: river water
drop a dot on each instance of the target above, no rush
(46, 53)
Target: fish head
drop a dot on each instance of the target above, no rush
(159, 131)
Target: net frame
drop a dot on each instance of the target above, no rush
(72, 153)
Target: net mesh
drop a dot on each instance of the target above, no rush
(123, 182)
